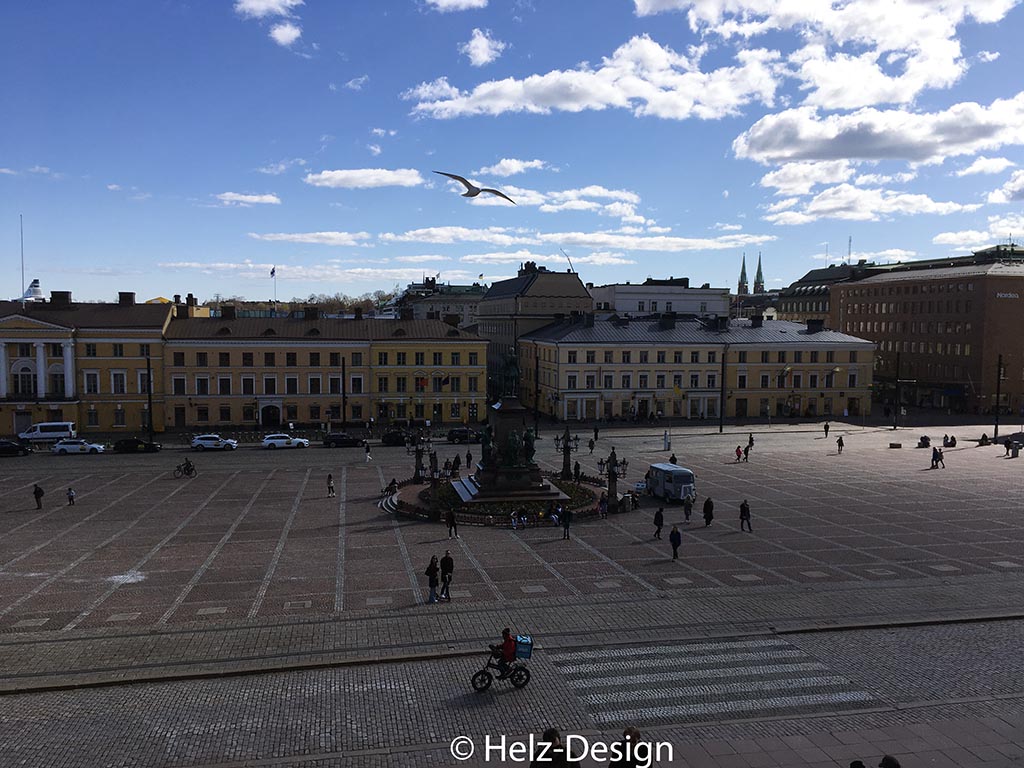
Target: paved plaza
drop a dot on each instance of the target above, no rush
(150, 589)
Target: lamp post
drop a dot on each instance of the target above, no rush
(614, 468)
(567, 445)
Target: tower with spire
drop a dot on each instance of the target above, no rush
(741, 287)
(759, 277)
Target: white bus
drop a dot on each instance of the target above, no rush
(671, 482)
(50, 431)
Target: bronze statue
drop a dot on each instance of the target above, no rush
(529, 446)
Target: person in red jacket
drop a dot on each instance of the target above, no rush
(505, 653)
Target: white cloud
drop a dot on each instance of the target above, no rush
(984, 164)
(596, 191)
(1012, 191)
(445, 6)
(114, 187)
(314, 238)
(357, 83)
(259, 9)
(986, 56)
(251, 270)
(509, 166)
(276, 169)
(503, 257)
(659, 230)
(285, 33)
(722, 227)
(481, 48)
(851, 203)
(801, 178)
(725, 194)
(870, 134)
(374, 149)
(625, 211)
(365, 178)
(999, 229)
(446, 235)
(603, 259)
(424, 259)
(611, 241)
(640, 75)
(8, 172)
(877, 179)
(570, 205)
(383, 132)
(244, 200)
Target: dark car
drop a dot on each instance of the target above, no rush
(463, 435)
(394, 437)
(342, 440)
(10, 448)
(135, 445)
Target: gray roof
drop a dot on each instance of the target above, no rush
(539, 283)
(650, 330)
(324, 329)
(991, 269)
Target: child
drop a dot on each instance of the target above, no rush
(739, 454)
(71, 497)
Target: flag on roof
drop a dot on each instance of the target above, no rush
(273, 271)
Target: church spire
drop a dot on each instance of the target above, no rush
(759, 277)
(741, 287)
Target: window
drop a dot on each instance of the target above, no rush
(644, 357)
(314, 385)
(474, 358)
(335, 358)
(438, 358)
(201, 361)
(661, 357)
(830, 357)
(642, 382)
(456, 384)
(419, 358)
(248, 413)
(853, 354)
(456, 358)
(572, 358)
(813, 383)
(741, 381)
(668, 306)
(291, 385)
(247, 360)
(25, 350)
(357, 411)
(400, 358)
(357, 385)
(357, 361)
(626, 357)
(591, 356)
(814, 357)
(654, 306)
(741, 357)
(118, 350)
(202, 413)
(851, 381)
(291, 359)
(608, 356)
(224, 385)
(269, 385)
(119, 418)
(269, 360)
(627, 381)
(571, 381)
(695, 357)
(401, 384)
(438, 384)
(659, 381)
(764, 381)
(224, 359)
(455, 411)
(143, 350)
(591, 381)
(419, 384)
(178, 358)
(712, 380)
(118, 383)
(640, 306)
(780, 356)
(314, 413)
(248, 385)
(92, 418)
(334, 385)
(382, 383)
(694, 380)
(314, 359)
(798, 381)
(291, 412)
(764, 356)
(798, 357)
(712, 357)
(202, 385)
(473, 384)
(177, 385)
(608, 381)
(225, 413)
(382, 358)
(92, 383)
(677, 358)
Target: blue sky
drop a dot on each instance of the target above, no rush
(171, 146)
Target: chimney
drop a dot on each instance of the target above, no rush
(722, 323)
(359, 313)
(757, 321)
(190, 300)
(588, 320)
(668, 321)
(126, 298)
(60, 298)
(177, 298)
(228, 312)
(814, 326)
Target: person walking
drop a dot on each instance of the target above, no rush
(826, 430)
(38, 493)
(675, 538)
(602, 506)
(576, 472)
(935, 458)
(596, 431)
(330, 486)
(746, 452)
(71, 497)
(940, 459)
(432, 573)
(469, 461)
(447, 569)
(1006, 443)
(745, 517)
(366, 447)
(750, 440)
(566, 519)
(709, 511)
(590, 445)
(456, 463)
(659, 521)
(739, 454)
(687, 508)
(840, 443)
(452, 523)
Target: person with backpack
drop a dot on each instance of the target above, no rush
(659, 521)
(675, 538)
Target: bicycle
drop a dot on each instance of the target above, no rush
(185, 470)
(514, 672)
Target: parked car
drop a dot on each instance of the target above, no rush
(285, 441)
(394, 437)
(213, 442)
(463, 435)
(11, 448)
(77, 445)
(342, 440)
(135, 445)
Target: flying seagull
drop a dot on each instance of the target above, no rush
(473, 191)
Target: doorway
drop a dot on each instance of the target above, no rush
(270, 416)
(179, 417)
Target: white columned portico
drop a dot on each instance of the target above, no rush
(40, 370)
(3, 369)
(69, 368)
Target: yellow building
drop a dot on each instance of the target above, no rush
(618, 367)
(311, 370)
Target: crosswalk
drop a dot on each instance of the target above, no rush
(701, 681)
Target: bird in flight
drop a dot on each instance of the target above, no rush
(472, 190)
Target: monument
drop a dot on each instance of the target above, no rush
(506, 471)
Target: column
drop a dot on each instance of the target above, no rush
(40, 370)
(69, 368)
(4, 369)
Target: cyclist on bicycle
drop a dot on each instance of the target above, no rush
(505, 653)
(188, 467)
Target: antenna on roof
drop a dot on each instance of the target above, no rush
(571, 268)
(849, 249)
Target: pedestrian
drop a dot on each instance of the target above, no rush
(366, 447)
(1006, 442)
(659, 521)
(566, 518)
(453, 524)
(940, 459)
(330, 486)
(840, 443)
(552, 754)
(456, 463)
(515, 520)
(432, 574)
(576, 472)
(71, 497)
(745, 517)
(590, 445)
(709, 511)
(626, 750)
(675, 538)
(600, 467)
(826, 429)
(746, 452)
(739, 454)
(687, 508)
(469, 461)
(38, 493)
(935, 458)
(672, 459)
(888, 761)
(750, 439)
(602, 505)
(595, 434)
(447, 568)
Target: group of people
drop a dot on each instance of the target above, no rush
(742, 453)
(439, 573)
(675, 537)
(38, 493)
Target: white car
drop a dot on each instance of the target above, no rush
(213, 443)
(64, 447)
(285, 441)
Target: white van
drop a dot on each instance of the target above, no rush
(671, 482)
(50, 430)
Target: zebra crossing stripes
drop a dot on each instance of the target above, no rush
(699, 681)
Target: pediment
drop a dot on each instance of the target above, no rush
(23, 323)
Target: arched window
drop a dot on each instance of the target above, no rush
(24, 381)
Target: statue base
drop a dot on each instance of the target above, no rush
(506, 484)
